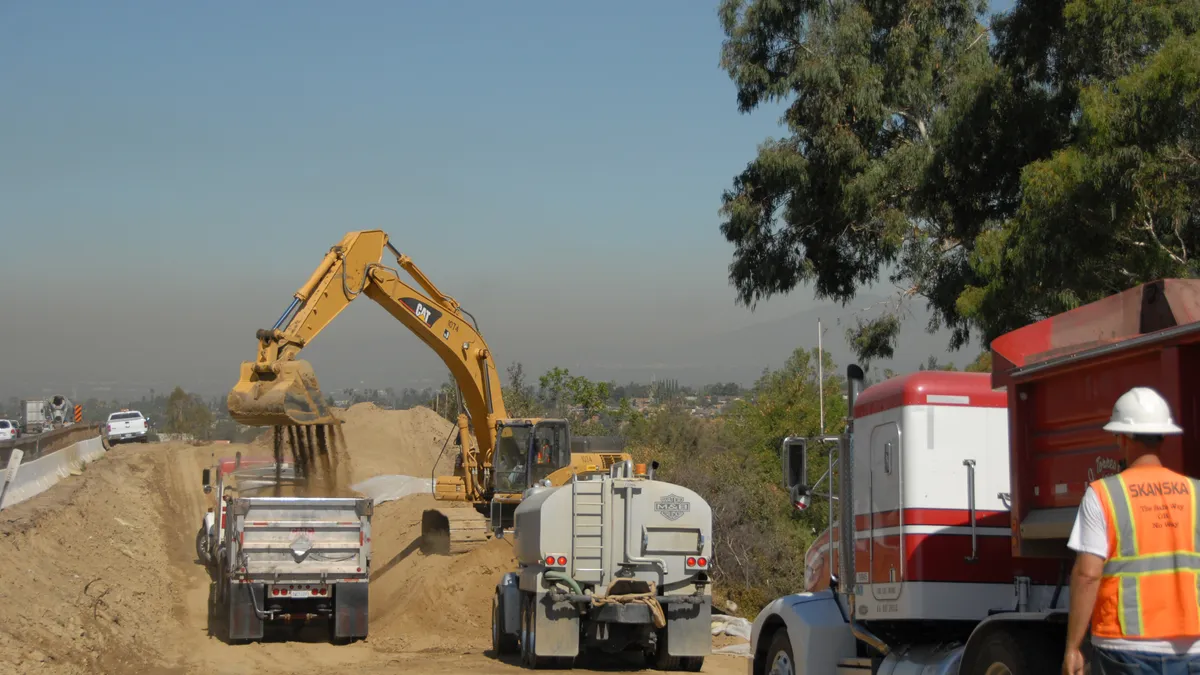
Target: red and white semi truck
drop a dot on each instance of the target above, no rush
(962, 489)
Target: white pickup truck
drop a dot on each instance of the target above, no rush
(126, 425)
(296, 560)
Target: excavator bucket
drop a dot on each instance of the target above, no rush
(290, 396)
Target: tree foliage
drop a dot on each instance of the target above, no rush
(520, 399)
(1002, 183)
(188, 414)
(733, 463)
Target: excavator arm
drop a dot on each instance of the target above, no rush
(279, 389)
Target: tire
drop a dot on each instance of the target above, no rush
(202, 546)
(1015, 650)
(664, 661)
(780, 659)
(502, 643)
(662, 658)
(529, 659)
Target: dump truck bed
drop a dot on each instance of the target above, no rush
(1063, 376)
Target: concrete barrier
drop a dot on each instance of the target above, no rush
(36, 445)
(36, 476)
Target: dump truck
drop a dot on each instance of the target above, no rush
(614, 562)
(284, 559)
(498, 457)
(957, 493)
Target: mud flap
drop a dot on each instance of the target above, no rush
(350, 610)
(689, 628)
(557, 627)
(510, 604)
(244, 623)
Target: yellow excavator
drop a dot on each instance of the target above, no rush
(489, 478)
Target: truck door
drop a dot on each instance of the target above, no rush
(887, 534)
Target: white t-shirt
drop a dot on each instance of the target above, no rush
(1090, 535)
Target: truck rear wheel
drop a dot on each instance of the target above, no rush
(1013, 651)
(529, 657)
(502, 643)
(202, 545)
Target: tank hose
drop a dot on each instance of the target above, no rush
(552, 575)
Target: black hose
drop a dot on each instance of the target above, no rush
(1062, 576)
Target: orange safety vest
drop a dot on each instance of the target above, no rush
(1150, 587)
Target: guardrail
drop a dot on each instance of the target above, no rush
(47, 442)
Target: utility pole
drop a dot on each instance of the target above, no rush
(820, 377)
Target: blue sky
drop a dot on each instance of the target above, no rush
(172, 172)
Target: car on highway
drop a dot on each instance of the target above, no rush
(127, 425)
(8, 430)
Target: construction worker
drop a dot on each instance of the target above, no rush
(1137, 539)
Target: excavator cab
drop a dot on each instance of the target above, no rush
(528, 452)
(550, 449)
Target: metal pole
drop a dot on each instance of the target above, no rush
(821, 377)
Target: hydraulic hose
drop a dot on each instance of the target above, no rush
(553, 575)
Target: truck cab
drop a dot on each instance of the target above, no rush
(962, 490)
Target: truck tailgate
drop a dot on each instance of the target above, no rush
(290, 538)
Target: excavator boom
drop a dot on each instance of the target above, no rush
(278, 389)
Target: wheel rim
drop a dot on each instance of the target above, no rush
(782, 664)
(998, 669)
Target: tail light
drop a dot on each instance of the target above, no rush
(697, 563)
(556, 561)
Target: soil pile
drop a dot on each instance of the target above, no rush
(405, 442)
(431, 603)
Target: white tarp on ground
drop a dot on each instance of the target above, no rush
(36, 476)
(733, 627)
(389, 488)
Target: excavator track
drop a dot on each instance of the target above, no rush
(453, 530)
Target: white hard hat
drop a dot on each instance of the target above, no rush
(1142, 410)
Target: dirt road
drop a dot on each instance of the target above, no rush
(98, 575)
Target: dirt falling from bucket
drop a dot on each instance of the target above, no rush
(314, 452)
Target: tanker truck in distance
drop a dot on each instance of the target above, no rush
(615, 562)
(961, 489)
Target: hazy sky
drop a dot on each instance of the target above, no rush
(172, 172)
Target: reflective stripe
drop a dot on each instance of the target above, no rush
(1163, 562)
(1196, 527)
(1129, 607)
(1122, 515)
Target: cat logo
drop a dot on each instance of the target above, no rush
(446, 334)
(427, 315)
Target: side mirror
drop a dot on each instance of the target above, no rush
(801, 497)
(206, 480)
(794, 456)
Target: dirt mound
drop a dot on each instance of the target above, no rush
(406, 442)
(84, 584)
(389, 442)
(431, 603)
